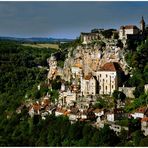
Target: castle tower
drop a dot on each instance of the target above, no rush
(142, 25)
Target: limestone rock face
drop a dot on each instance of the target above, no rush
(54, 70)
(91, 58)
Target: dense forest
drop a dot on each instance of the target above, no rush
(19, 74)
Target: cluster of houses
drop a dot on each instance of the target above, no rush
(95, 116)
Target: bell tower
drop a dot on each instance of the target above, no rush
(142, 25)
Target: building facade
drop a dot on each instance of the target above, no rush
(124, 31)
(89, 37)
(108, 78)
(88, 85)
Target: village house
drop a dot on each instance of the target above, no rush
(76, 70)
(74, 114)
(117, 128)
(34, 109)
(99, 113)
(116, 114)
(88, 85)
(87, 114)
(60, 111)
(108, 77)
(140, 113)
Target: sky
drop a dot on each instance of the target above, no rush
(67, 19)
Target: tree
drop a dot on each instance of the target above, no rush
(144, 141)
(119, 95)
(137, 137)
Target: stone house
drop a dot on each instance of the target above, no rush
(76, 70)
(126, 30)
(88, 85)
(34, 109)
(116, 114)
(74, 114)
(117, 128)
(140, 112)
(99, 113)
(60, 111)
(108, 77)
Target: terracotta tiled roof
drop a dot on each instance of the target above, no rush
(78, 65)
(112, 66)
(97, 110)
(129, 27)
(87, 77)
(141, 110)
(144, 119)
(74, 110)
(61, 110)
(36, 106)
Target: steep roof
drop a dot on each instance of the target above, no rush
(142, 109)
(88, 77)
(78, 65)
(111, 66)
(142, 20)
(144, 119)
(129, 27)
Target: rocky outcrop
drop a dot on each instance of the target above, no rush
(93, 57)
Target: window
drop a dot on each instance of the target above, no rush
(106, 87)
(106, 75)
(112, 86)
(100, 75)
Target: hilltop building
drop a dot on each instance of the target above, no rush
(124, 31)
(89, 37)
(142, 25)
(132, 31)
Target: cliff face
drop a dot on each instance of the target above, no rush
(91, 58)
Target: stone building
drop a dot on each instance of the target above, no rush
(124, 31)
(89, 37)
(142, 25)
(108, 77)
(129, 30)
(88, 85)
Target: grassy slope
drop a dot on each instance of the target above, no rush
(54, 46)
